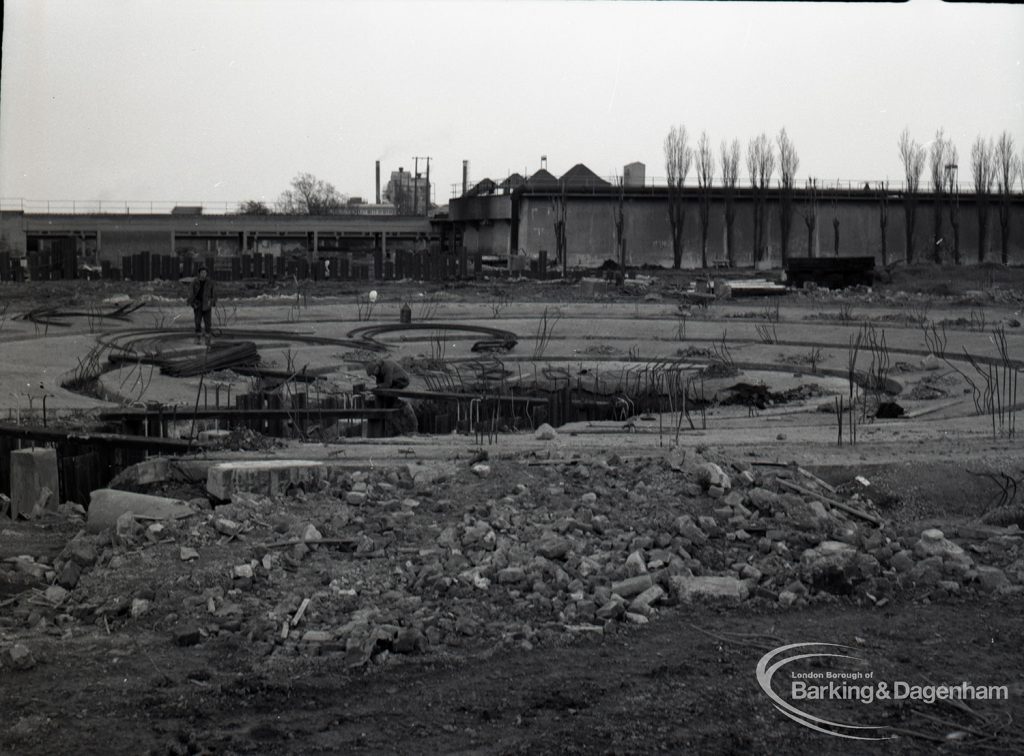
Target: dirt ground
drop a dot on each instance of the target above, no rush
(477, 611)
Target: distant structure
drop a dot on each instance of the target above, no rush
(406, 193)
(634, 175)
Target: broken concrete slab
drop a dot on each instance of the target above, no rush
(149, 471)
(34, 481)
(269, 477)
(708, 587)
(107, 505)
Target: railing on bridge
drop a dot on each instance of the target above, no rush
(161, 207)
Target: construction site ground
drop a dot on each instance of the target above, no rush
(461, 596)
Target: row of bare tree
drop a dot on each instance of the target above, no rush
(994, 163)
(761, 163)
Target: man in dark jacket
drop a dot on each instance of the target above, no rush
(389, 375)
(202, 299)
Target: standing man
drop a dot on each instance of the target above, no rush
(202, 299)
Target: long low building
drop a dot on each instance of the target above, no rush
(520, 217)
(99, 238)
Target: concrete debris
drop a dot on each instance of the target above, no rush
(106, 505)
(18, 657)
(545, 433)
(377, 562)
(274, 477)
(708, 587)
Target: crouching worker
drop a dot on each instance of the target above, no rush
(389, 375)
(202, 299)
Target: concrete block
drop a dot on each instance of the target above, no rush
(709, 587)
(33, 474)
(106, 505)
(269, 477)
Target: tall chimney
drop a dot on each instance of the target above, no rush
(465, 176)
(377, 200)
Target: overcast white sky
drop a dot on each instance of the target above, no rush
(225, 100)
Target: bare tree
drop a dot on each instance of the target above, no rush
(310, 196)
(1007, 166)
(983, 171)
(789, 161)
(558, 206)
(953, 196)
(253, 207)
(883, 219)
(810, 213)
(912, 158)
(730, 155)
(835, 222)
(620, 229)
(761, 166)
(937, 162)
(705, 177)
(678, 157)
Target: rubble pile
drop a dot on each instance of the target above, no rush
(519, 552)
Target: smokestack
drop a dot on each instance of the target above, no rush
(465, 176)
(377, 200)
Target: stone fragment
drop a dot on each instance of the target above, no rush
(410, 641)
(545, 433)
(186, 635)
(708, 587)
(633, 586)
(69, 575)
(317, 636)
(311, 534)
(20, 657)
(187, 554)
(635, 564)
(242, 571)
(687, 528)
(481, 470)
(511, 575)
(355, 498)
(902, 561)
(636, 618)
(226, 527)
(106, 505)
(82, 552)
(140, 607)
(55, 595)
(992, 579)
(933, 543)
(709, 474)
(643, 601)
(614, 608)
(552, 546)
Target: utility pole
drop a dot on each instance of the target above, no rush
(426, 202)
(415, 186)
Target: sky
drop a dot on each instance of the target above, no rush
(227, 100)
